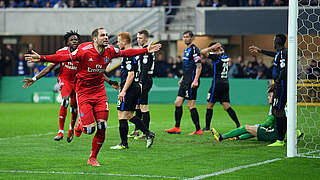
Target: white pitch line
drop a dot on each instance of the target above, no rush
(85, 173)
(30, 135)
(37, 135)
(233, 169)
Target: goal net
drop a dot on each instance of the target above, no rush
(308, 78)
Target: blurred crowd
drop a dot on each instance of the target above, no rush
(12, 64)
(85, 3)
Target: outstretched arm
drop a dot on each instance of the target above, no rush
(29, 81)
(134, 52)
(35, 57)
(255, 50)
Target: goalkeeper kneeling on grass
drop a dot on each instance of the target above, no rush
(266, 131)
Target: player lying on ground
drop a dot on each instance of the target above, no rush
(66, 81)
(129, 93)
(93, 59)
(219, 90)
(266, 131)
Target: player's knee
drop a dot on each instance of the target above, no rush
(176, 103)
(89, 130)
(102, 125)
(65, 102)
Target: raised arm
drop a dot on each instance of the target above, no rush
(29, 81)
(206, 51)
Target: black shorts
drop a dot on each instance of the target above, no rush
(187, 92)
(218, 92)
(130, 99)
(279, 100)
(143, 99)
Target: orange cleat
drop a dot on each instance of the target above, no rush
(175, 130)
(199, 132)
(93, 162)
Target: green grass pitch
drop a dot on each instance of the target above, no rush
(28, 151)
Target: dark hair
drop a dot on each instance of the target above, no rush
(69, 34)
(212, 43)
(271, 88)
(188, 32)
(95, 33)
(144, 32)
(281, 39)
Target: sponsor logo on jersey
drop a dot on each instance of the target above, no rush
(90, 59)
(99, 69)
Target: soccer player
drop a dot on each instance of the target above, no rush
(93, 59)
(219, 90)
(146, 67)
(266, 131)
(66, 80)
(128, 95)
(279, 75)
(189, 84)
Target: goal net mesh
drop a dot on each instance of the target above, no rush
(308, 86)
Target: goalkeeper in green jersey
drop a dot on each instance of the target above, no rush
(266, 131)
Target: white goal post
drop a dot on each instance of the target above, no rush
(292, 79)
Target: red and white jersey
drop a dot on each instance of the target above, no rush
(68, 70)
(91, 67)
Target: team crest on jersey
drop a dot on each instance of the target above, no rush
(106, 60)
(90, 59)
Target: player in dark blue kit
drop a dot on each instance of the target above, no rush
(219, 90)
(128, 96)
(279, 75)
(189, 84)
(146, 67)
